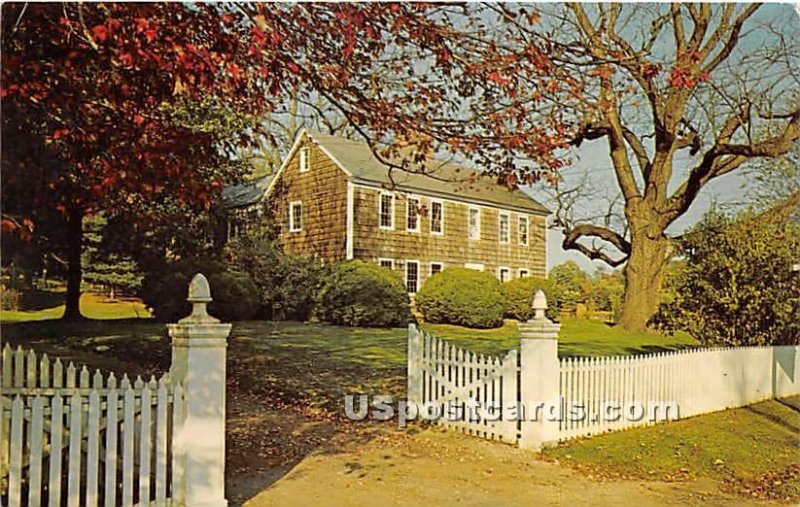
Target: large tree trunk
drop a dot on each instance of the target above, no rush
(74, 268)
(644, 278)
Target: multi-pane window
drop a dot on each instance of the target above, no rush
(503, 228)
(436, 267)
(505, 274)
(474, 223)
(523, 273)
(386, 211)
(412, 217)
(296, 216)
(523, 231)
(437, 217)
(305, 159)
(386, 263)
(412, 276)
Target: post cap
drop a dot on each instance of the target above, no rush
(199, 290)
(199, 296)
(539, 304)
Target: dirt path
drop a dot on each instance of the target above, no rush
(433, 467)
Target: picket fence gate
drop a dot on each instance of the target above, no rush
(445, 377)
(68, 437)
(590, 395)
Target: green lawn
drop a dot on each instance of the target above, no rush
(50, 305)
(753, 450)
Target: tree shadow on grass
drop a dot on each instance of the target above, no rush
(790, 423)
(37, 300)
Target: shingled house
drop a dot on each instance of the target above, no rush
(333, 199)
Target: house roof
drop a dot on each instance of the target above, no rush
(443, 179)
(246, 194)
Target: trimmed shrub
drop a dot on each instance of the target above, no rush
(518, 294)
(165, 290)
(462, 296)
(235, 296)
(357, 293)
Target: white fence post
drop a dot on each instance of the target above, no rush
(414, 389)
(539, 371)
(198, 366)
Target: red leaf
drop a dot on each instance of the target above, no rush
(100, 33)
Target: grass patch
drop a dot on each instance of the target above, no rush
(753, 450)
(50, 305)
(578, 337)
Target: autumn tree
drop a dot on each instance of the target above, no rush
(115, 106)
(682, 94)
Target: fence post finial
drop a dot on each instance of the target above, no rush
(199, 344)
(539, 305)
(199, 296)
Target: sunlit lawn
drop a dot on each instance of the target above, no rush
(755, 450)
(317, 363)
(50, 305)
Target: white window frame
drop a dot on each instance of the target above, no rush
(411, 261)
(304, 159)
(527, 222)
(500, 227)
(477, 235)
(382, 227)
(292, 225)
(408, 213)
(477, 266)
(500, 273)
(440, 232)
(524, 272)
(381, 260)
(440, 264)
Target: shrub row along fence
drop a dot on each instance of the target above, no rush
(534, 399)
(69, 437)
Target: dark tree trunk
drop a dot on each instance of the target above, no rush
(74, 268)
(644, 278)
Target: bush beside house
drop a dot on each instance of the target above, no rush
(518, 295)
(164, 291)
(357, 293)
(461, 296)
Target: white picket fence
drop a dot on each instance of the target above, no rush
(590, 395)
(72, 438)
(694, 382)
(590, 383)
(445, 377)
(69, 437)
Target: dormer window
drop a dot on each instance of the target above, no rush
(305, 159)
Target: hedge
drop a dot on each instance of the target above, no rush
(165, 290)
(357, 293)
(462, 296)
(518, 294)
